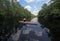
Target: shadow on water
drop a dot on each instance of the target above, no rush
(33, 33)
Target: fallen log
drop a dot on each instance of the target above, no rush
(28, 22)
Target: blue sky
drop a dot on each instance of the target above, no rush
(34, 6)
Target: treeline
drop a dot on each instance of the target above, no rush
(33, 16)
(10, 13)
(49, 17)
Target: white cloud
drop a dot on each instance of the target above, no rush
(36, 10)
(48, 2)
(29, 1)
(27, 7)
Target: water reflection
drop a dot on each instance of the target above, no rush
(33, 33)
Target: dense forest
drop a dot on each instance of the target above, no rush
(49, 17)
(10, 13)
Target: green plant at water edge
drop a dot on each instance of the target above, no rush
(10, 13)
(49, 16)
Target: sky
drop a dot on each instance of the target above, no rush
(34, 6)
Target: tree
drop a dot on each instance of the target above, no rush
(10, 13)
(49, 17)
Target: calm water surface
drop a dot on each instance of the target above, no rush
(33, 32)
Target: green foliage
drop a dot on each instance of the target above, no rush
(10, 14)
(49, 17)
(33, 16)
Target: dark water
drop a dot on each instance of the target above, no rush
(33, 33)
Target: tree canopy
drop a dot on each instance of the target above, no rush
(49, 16)
(10, 13)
